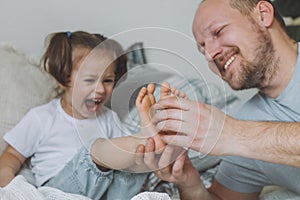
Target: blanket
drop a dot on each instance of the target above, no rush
(20, 189)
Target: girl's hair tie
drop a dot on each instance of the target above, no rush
(68, 34)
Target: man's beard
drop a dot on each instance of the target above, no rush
(258, 72)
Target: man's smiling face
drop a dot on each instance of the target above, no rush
(235, 46)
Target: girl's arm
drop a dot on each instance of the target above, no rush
(118, 153)
(10, 163)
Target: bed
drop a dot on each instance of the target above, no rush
(25, 85)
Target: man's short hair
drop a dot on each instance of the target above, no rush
(246, 7)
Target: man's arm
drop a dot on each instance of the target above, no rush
(276, 142)
(206, 129)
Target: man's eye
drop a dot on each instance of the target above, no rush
(218, 31)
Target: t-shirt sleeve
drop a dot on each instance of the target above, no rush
(109, 125)
(25, 136)
(117, 129)
(240, 175)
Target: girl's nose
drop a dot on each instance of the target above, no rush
(100, 88)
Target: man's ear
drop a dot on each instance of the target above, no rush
(266, 13)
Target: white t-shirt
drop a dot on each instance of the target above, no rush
(51, 137)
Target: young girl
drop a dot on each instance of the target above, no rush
(67, 139)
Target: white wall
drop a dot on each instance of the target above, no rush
(25, 24)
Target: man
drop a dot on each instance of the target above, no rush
(245, 42)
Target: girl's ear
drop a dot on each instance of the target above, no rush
(266, 13)
(60, 86)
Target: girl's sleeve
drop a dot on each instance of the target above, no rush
(26, 135)
(117, 129)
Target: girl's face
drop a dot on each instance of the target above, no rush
(92, 83)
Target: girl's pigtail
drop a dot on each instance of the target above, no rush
(57, 59)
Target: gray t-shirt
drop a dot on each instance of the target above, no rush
(248, 175)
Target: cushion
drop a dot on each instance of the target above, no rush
(23, 84)
(277, 193)
(20, 189)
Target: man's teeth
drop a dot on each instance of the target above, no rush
(229, 62)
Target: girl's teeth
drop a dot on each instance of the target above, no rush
(228, 62)
(98, 101)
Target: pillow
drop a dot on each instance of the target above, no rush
(136, 60)
(23, 84)
(135, 55)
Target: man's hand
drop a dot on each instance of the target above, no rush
(173, 165)
(198, 126)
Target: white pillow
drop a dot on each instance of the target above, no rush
(23, 85)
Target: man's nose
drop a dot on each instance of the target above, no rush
(212, 49)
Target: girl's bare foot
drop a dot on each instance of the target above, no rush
(144, 103)
(166, 91)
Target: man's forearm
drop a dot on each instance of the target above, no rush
(276, 142)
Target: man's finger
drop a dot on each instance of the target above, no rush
(178, 140)
(139, 154)
(172, 102)
(166, 158)
(177, 169)
(149, 156)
